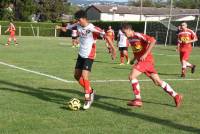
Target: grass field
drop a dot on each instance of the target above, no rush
(35, 104)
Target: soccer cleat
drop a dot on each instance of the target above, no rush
(89, 98)
(193, 69)
(136, 103)
(121, 64)
(7, 44)
(16, 44)
(178, 100)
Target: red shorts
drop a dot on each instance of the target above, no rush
(145, 67)
(185, 55)
(12, 35)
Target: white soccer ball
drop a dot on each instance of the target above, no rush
(74, 104)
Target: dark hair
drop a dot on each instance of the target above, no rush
(80, 14)
(126, 26)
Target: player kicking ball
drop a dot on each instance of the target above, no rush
(185, 39)
(142, 45)
(88, 34)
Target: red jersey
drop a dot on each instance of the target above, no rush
(186, 35)
(110, 33)
(139, 43)
(12, 30)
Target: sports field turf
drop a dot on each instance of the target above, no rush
(35, 104)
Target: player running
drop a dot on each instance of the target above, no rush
(185, 39)
(88, 34)
(111, 34)
(122, 43)
(11, 29)
(142, 45)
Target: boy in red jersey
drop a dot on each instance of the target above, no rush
(12, 30)
(88, 35)
(185, 39)
(142, 45)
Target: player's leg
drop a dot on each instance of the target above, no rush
(135, 87)
(9, 40)
(89, 93)
(125, 52)
(15, 40)
(73, 42)
(167, 88)
(121, 56)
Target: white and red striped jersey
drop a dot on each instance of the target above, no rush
(123, 41)
(88, 36)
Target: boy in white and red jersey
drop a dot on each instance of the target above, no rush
(185, 39)
(111, 34)
(11, 29)
(142, 45)
(88, 34)
(123, 44)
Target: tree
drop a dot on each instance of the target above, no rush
(6, 10)
(24, 9)
(51, 9)
(187, 3)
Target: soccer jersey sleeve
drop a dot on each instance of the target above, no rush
(97, 32)
(193, 35)
(72, 26)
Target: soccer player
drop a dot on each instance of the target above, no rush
(75, 41)
(12, 30)
(142, 46)
(111, 34)
(185, 39)
(122, 43)
(88, 34)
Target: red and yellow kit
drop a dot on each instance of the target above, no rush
(12, 31)
(186, 48)
(110, 33)
(139, 44)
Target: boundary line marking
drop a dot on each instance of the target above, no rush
(93, 81)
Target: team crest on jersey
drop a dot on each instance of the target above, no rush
(84, 33)
(137, 47)
(184, 39)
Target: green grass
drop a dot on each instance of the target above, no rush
(33, 104)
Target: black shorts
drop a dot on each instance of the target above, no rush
(75, 37)
(123, 48)
(84, 63)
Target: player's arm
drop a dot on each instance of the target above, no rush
(7, 30)
(68, 27)
(151, 43)
(194, 38)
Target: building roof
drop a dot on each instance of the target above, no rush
(145, 10)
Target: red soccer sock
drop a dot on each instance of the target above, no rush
(136, 88)
(87, 87)
(183, 71)
(126, 56)
(121, 57)
(81, 81)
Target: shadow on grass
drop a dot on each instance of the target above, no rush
(169, 74)
(51, 96)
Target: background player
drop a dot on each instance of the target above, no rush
(88, 34)
(185, 39)
(11, 29)
(75, 41)
(142, 45)
(111, 34)
(122, 43)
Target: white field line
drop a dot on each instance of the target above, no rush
(93, 81)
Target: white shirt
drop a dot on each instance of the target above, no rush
(88, 36)
(123, 42)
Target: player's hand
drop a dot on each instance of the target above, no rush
(58, 27)
(186, 42)
(143, 57)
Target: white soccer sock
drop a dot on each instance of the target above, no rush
(168, 89)
(136, 88)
